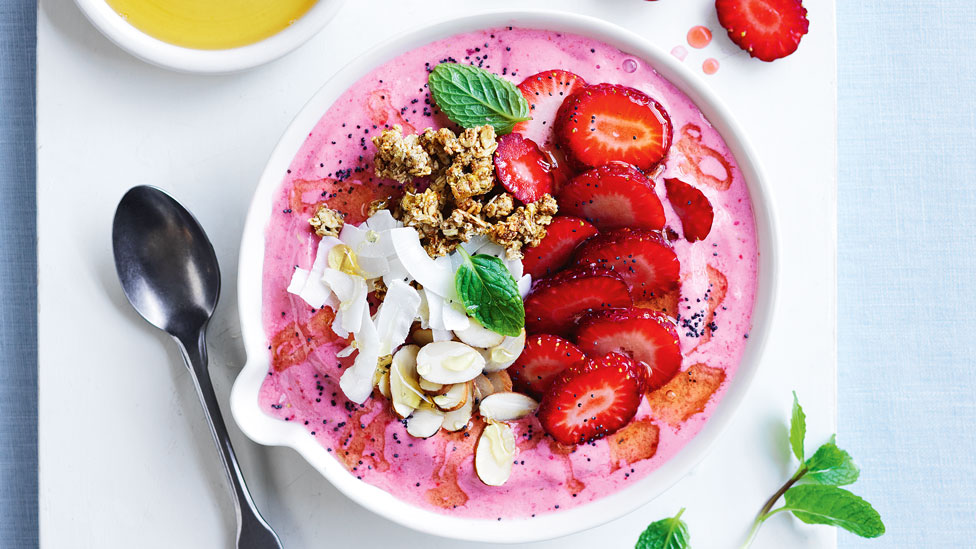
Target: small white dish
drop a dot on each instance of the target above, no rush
(265, 429)
(178, 58)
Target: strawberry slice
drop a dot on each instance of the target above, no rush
(563, 236)
(605, 122)
(545, 92)
(648, 337)
(556, 302)
(644, 260)
(543, 357)
(693, 209)
(613, 196)
(767, 29)
(591, 400)
(522, 168)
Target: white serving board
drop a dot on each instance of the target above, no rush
(126, 458)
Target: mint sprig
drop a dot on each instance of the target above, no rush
(669, 533)
(472, 97)
(490, 293)
(813, 493)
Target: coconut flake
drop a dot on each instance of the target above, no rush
(524, 285)
(454, 319)
(436, 276)
(298, 279)
(357, 381)
(442, 335)
(506, 406)
(382, 220)
(351, 292)
(395, 315)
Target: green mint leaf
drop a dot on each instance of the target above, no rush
(831, 465)
(798, 429)
(818, 504)
(490, 294)
(670, 533)
(472, 97)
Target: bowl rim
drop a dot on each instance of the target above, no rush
(266, 430)
(199, 61)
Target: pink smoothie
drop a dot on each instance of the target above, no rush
(713, 309)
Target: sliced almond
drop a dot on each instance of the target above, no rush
(425, 421)
(506, 406)
(405, 390)
(482, 388)
(430, 387)
(477, 335)
(422, 337)
(494, 454)
(500, 381)
(456, 397)
(504, 354)
(458, 419)
(384, 385)
(449, 362)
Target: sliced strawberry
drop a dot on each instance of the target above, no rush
(693, 209)
(642, 258)
(613, 196)
(563, 236)
(521, 168)
(556, 302)
(591, 400)
(558, 167)
(545, 92)
(767, 29)
(606, 122)
(543, 357)
(648, 337)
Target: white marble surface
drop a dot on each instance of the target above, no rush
(126, 459)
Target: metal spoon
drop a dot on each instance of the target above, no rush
(169, 273)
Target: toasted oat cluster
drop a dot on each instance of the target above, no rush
(463, 197)
(327, 222)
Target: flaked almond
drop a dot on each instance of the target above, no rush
(494, 454)
(482, 388)
(458, 419)
(506, 406)
(425, 421)
(431, 388)
(477, 335)
(405, 390)
(456, 397)
(449, 362)
(504, 354)
(422, 337)
(500, 381)
(384, 385)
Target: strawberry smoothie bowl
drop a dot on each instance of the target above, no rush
(512, 271)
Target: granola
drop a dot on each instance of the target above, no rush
(500, 206)
(400, 157)
(327, 222)
(526, 226)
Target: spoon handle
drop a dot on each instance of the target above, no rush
(253, 532)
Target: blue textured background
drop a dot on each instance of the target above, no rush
(907, 230)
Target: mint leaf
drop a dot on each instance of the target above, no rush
(490, 294)
(816, 504)
(670, 533)
(798, 429)
(472, 97)
(831, 465)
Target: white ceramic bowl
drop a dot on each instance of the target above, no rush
(164, 54)
(266, 430)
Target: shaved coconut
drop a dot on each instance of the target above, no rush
(475, 243)
(524, 285)
(456, 397)
(357, 381)
(423, 312)
(477, 335)
(396, 272)
(337, 324)
(454, 318)
(442, 335)
(425, 421)
(435, 309)
(322, 254)
(316, 293)
(482, 388)
(298, 279)
(404, 387)
(351, 292)
(431, 388)
(373, 267)
(506, 406)
(449, 362)
(458, 419)
(382, 220)
(367, 242)
(395, 316)
(505, 353)
(514, 266)
(436, 276)
(494, 455)
(500, 381)
(347, 351)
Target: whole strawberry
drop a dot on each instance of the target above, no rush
(767, 29)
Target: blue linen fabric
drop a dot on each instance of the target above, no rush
(906, 265)
(18, 280)
(907, 231)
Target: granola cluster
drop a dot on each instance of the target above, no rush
(327, 222)
(461, 199)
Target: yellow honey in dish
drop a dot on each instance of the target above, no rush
(211, 24)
